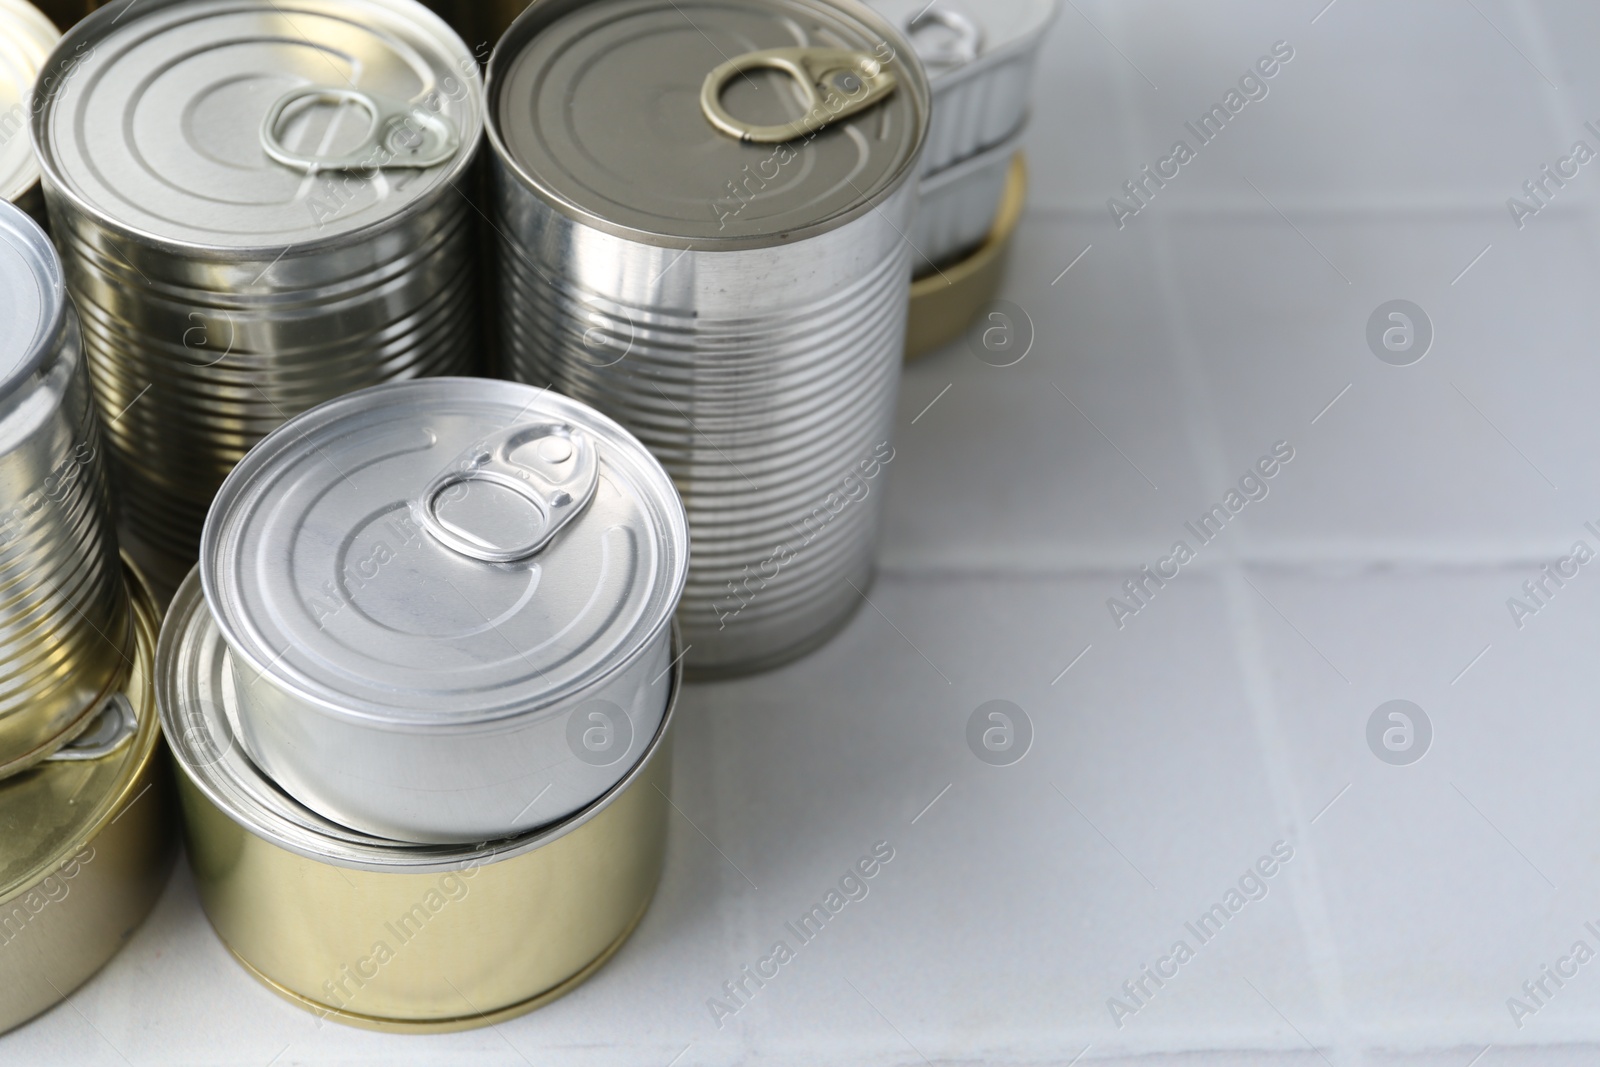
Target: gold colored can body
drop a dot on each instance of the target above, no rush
(944, 302)
(387, 936)
(86, 845)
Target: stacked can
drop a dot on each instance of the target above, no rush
(258, 209)
(702, 210)
(26, 41)
(79, 866)
(980, 58)
(421, 687)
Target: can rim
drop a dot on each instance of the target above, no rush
(356, 710)
(146, 741)
(53, 320)
(1000, 152)
(1022, 44)
(26, 15)
(538, 16)
(187, 622)
(89, 32)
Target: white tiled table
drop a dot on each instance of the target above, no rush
(1226, 716)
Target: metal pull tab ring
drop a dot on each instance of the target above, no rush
(108, 730)
(958, 51)
(556, 478)
(835, 83)
(399, 133)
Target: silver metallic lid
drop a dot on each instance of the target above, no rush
(708, 122)
(32, 297)
(244, 124)
(26, 38)
(951, 34)
(444, 552)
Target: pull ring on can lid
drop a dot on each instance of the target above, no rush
(550, 467)
(111, 726)
(388, 120)
(956, 51)
(855, 78)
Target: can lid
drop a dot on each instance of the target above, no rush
(703, 121)
(49, 812)
(952, 34)
(32, 296)
(26, 38)
(240, 124)
(443, 552)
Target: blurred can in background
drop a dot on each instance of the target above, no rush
(702, 209)
(258, 210)
(26, 40)
(65, 630)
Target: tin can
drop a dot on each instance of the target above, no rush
(980, 56)
(27, 38)
(65, 630)
(958, 205)
(258, 212)
(724, 271)
(389, 936)
(86, 842)
(944, 303)
(453, 599)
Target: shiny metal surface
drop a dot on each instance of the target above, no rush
(65, 631)
(452, 600)
(222, 291)
(957, 206)
(85, 849)
(469, 935)
(26, 40)
(982, 77)
(761, 367)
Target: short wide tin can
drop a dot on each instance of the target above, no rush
(451, 601)
(259, 210)
(65, 630)
(26, 39)
(389, 936)
(86, 842)
(702, 209)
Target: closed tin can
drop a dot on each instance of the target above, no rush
(385, 935)
(724, 270)
(258, 211)
(980, 56)
(65, 631)
(958, 205)
(87, 839)
(453, 599)
(27, 38)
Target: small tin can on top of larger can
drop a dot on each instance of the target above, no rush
(65, 630)
(453, 599)
(702, 209)
(27, 38)
(257, 204)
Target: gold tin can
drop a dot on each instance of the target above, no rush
(944, 303)
(384, 935)
(86, 843)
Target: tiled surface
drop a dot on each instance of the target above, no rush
(1230, 713)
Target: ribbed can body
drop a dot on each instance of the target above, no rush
(64, 616)
(764, 380)
(195, 357)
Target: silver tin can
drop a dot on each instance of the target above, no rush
(731, 289)
(470, 934)
(957, 206)
(980, 56)
(27, 38)
(453, 601)
(65, 628)
(258, 210)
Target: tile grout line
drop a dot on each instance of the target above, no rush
(1309, 900)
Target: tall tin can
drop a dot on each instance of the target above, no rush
(65, 629)
(385, 935)
(453, 599)
(27, 38)
(258, 208)
(87, 839)
(702, 209)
